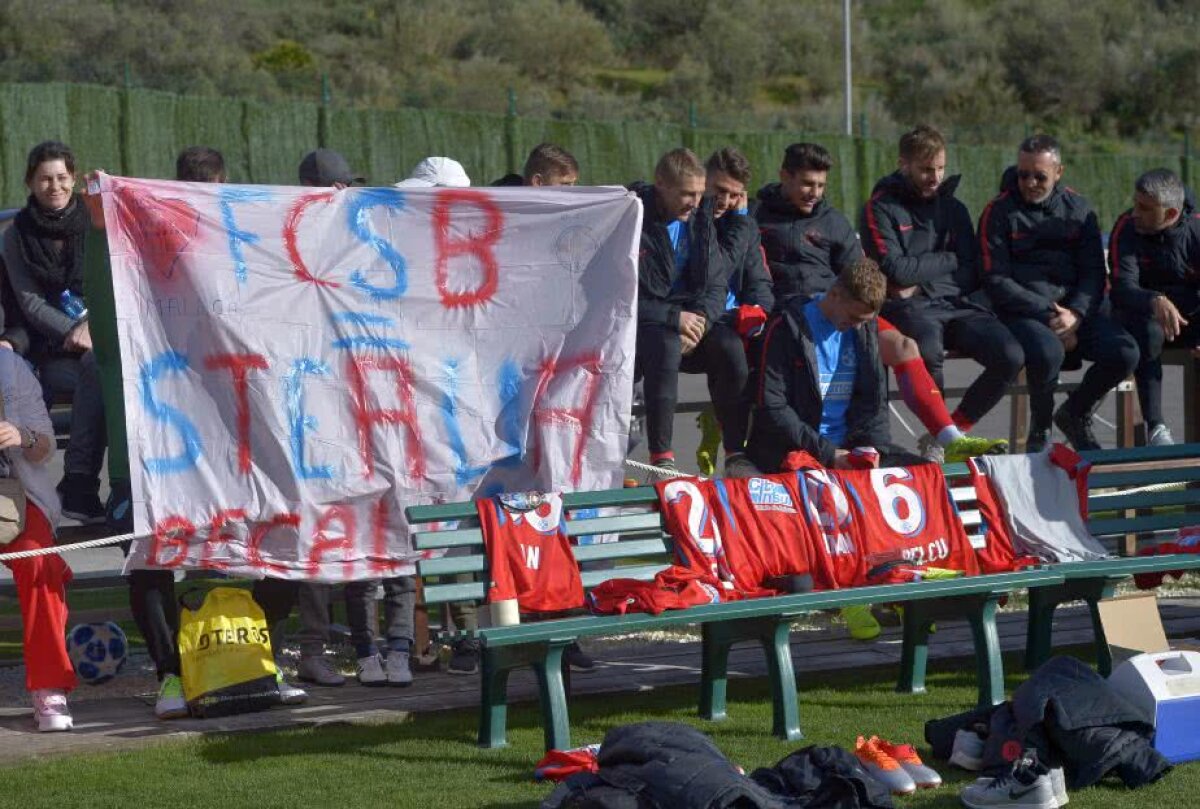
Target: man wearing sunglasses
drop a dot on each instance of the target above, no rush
(1154, 259)
(1043, 267)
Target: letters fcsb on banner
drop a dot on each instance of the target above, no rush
(300, 364)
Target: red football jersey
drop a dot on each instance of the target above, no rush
(767, 532)
(529, 554)
(673, 588)
(686, 505)
(868, 518)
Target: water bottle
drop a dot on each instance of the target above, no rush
(72, 305)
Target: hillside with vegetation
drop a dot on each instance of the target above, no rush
(983, 69)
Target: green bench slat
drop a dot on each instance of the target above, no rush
(1174, 452)
(1138, 525)
(457, 538)
(591, 578)
(450, 565)
(619, 523)
(1143, 477)
(1176, 497)
(623, 549)
(797, 604)
(1128, 565)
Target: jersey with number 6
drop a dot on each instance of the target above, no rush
(871, 517)
(529, 554)
(907, 514)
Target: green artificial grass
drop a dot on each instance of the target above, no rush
(431, 759)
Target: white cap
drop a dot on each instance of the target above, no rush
(437, 172)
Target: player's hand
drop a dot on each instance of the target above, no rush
(10, 436)
(1070, 341)
(95, 207)
(841, 459)
(688, 345)
(79, 338)
(1168, 316)
(1063, 321)
(691, 325)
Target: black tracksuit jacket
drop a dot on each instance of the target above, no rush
(924, 243)
(805, 252)
(1144, 266)
(1034, 256)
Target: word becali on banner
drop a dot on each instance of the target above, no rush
(302, 364)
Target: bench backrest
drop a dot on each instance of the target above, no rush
(458, 571)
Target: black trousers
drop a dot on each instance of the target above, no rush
(1110, 349)
(722, 357)
(1149, 373)
(156, 613)
(937, 325)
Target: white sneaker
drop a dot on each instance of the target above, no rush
(399, 670)
(1160, 436)
(968, 750)
(170, 703)
(50, 710)
(289, 694)
(1027, 786)
(1058, 782)
(371, 672)
(929, 449)
(319, 670)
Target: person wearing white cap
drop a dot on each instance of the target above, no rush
(436, 172)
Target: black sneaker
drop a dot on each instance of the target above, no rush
(118, 511)
(577, 659)
(81, 498)
(465, 657)
(1037, 440)
(1077, 429)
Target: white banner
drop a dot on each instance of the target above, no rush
(300, 365)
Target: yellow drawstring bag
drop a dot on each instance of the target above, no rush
(225, 653)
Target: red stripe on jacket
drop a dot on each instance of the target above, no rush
(873, 226)
(985, 251)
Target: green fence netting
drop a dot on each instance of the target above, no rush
(139, 133)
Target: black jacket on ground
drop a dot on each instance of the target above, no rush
(805, 252)
(1168, 263)
(705, 274)
(926, 243)
(1034, 256)
(749, 278)
(1071, 716)
(665, 765)
(787, 396)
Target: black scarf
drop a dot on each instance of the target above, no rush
(52, 245)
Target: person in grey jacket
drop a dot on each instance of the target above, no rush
(43, 255)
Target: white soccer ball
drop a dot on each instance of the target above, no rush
(97, 651)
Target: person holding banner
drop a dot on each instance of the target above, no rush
(547, 165)
(43, 252)
(682, 277)
(26, 444)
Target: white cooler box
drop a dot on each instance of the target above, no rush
(1166, 685)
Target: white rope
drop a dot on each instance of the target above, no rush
(1153, 487)
(647, 469)
(78, 546)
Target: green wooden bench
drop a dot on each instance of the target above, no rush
(643, 549)
(1145, 516)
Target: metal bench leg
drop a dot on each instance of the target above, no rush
(493, 701)
(785, 710)
(552, 693)
(714, 666)
(1038, 634)
(989, 663)
(914, 653)
(1104, 660)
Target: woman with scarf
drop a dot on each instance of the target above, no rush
(43, 253)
